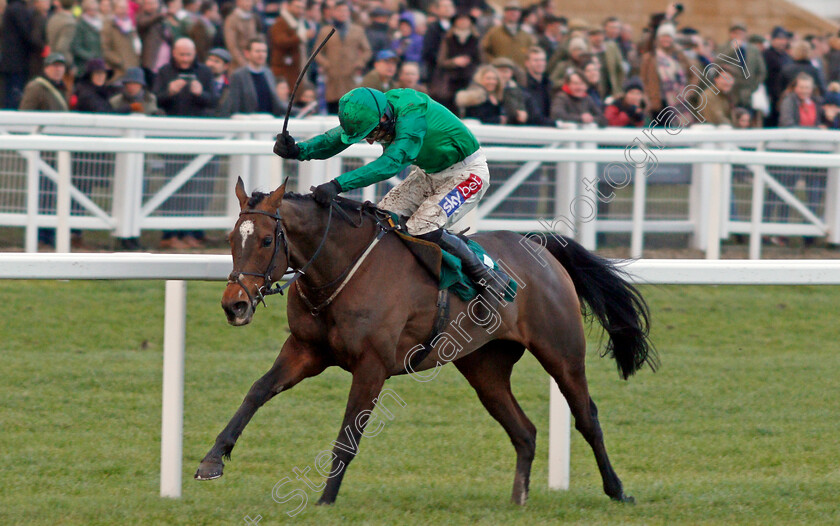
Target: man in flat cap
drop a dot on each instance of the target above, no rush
(508, 40)
(47, 91)
(775, 58)
(751, 72)
(378, 33)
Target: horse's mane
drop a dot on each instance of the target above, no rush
(258, 197)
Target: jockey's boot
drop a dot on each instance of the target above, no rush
(494, 281)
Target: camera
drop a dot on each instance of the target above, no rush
(189, 77)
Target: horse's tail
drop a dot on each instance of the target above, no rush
(617, 304)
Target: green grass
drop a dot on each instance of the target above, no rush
(739, 426)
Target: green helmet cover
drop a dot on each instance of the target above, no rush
(359, 112)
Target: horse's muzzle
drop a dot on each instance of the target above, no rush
(240, 313)
(237, 306)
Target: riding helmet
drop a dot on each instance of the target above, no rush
(359, 112)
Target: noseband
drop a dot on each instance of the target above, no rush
(280, 237)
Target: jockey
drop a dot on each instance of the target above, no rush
(449, 174)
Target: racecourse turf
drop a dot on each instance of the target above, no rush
(740, 425)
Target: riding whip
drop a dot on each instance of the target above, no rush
(300, 77)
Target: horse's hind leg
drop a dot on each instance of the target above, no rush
(488, 371)
(566, 366)
(295, 362)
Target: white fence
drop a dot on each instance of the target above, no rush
(177, 268)
(705, 182)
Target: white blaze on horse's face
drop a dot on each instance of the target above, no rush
(245, 230)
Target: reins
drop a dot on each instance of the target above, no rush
(281, 237)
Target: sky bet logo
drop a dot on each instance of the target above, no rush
(461, 193)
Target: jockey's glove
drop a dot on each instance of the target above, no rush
(326, 192)
(285, 146)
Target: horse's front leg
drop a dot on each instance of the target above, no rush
(368, 379)
(296, 361)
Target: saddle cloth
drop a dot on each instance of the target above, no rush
(446, 268)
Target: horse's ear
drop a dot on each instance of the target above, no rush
(277, 196)
(241, 194)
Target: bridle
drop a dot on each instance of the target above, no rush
(280, 237)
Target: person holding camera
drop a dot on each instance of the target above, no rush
(184, 87)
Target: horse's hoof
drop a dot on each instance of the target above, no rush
(209, 470)
(322, 502)
(627, 499)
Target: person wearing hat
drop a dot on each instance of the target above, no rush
(577, 56)
(407, 44)
(378, 33)
(47, 91)
(747, 77)
(553, 34)
(508, 39)
(610, 60)
(449, 174)
(381, 77)
(134, 97)
(91, 94)
(628, 110)
(344, 58)
(831, 111)
(218, 60)
(776, 58)
(458, 57)
(665, 71)
(513, 98)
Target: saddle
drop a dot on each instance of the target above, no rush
(441, 265)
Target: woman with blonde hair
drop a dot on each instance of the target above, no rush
(800, 52)
(482, 100)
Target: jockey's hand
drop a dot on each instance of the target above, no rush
(326, 192)
(285, 146)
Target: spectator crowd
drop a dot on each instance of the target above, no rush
(516, 65)
(521, 65)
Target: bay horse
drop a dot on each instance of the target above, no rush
(370, 322)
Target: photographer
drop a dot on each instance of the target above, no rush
(184, 87)
(670, 15)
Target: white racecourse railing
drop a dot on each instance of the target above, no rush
(177, 268)
(632, 154)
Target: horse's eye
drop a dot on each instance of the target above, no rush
(267, 241)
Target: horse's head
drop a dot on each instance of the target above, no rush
(260, 252)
